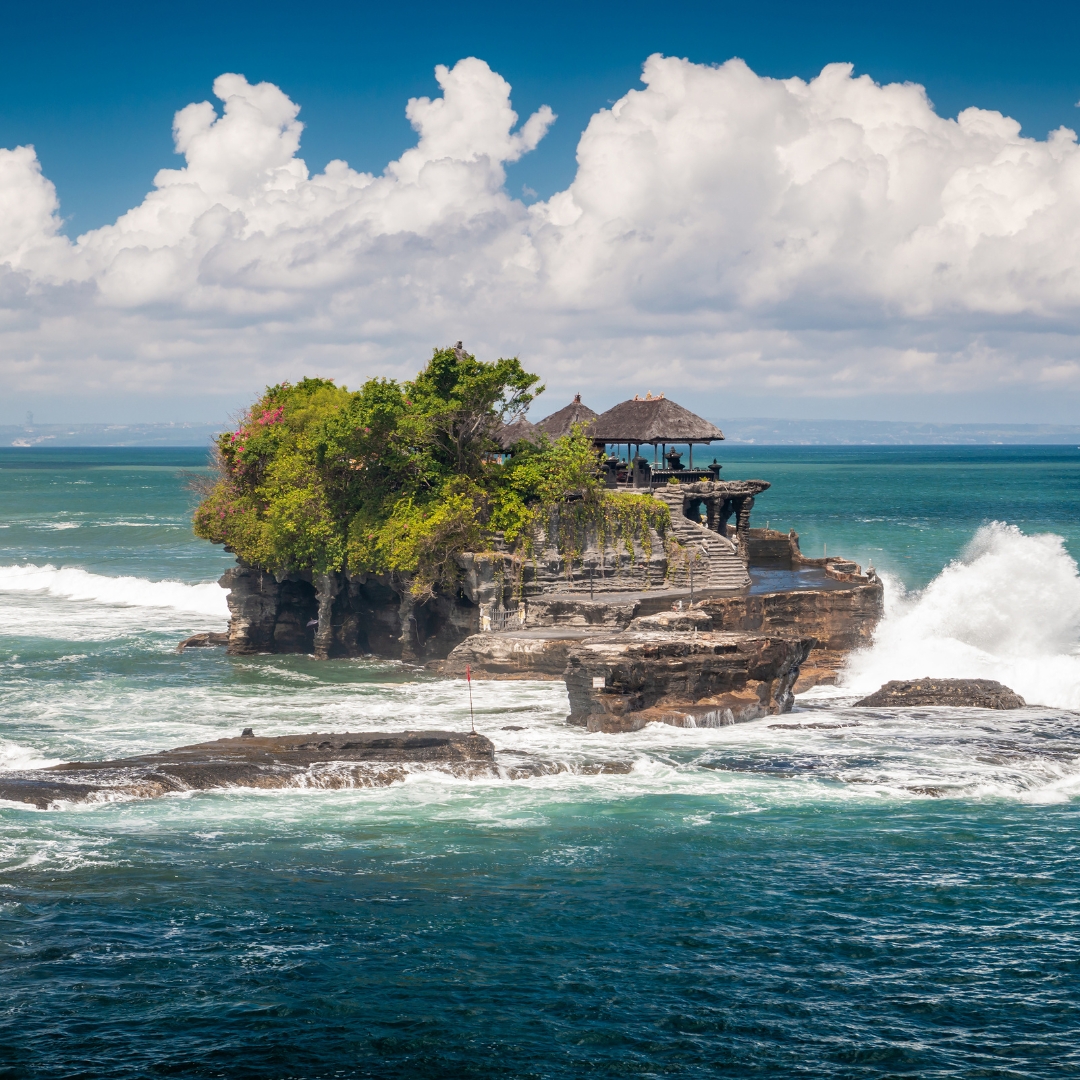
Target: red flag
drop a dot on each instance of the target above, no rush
(468, 674)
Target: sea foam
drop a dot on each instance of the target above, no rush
(1007, 609)
(70, 583)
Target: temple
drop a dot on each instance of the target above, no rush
(709, 515)
(707, 621)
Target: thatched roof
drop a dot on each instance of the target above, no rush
(509, 434)
(559, 423)
(652, 420)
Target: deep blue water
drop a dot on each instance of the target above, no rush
(829, 894)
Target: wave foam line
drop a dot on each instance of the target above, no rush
(69, 583)
(1007, 609)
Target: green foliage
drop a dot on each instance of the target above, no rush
(553, 492)
(402, 478)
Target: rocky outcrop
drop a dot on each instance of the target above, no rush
(342, 615)
(661, 670)
(837, 619)
(203, 641)
(362, 759)
(958, 693)
(601, 590)
(514, 654)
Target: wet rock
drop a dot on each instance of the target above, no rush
(959, 693)
(203, 641)
(351, 759)
(686, 679)
(838, 620)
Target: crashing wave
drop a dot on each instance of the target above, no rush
(70, 583)
(1007, 609)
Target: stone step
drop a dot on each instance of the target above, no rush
(724, 570)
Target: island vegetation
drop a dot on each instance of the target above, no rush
(403, 478)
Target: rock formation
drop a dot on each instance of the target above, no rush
(958, 693)
(203, 641)
(670, 668)
(838, 619)
(364, 759)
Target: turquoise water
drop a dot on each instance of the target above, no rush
(834, 893)
(909, 510)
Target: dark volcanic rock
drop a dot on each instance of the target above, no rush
(973, 693)
(679, 677)
(360, 759)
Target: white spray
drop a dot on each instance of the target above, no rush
(71, 583)
(1007, 609)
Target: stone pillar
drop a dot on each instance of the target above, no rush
(742, 526)
(253, 609)
(327, 586)
(711, 515)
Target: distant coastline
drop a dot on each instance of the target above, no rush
(771, 432)
(759, 431)
(42, 436)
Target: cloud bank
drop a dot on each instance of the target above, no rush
(724, 233)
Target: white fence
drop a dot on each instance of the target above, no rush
(494, 618)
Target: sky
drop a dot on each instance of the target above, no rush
(756, 229)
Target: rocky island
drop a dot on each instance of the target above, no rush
(430, 521)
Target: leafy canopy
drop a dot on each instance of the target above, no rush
(399, 477)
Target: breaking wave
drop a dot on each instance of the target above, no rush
(1007, 609)
(69, 583)
(14, 756)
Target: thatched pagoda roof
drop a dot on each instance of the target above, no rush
(559, 423)
(509, 434)
(652, 420)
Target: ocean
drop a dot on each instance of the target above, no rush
(836, 892)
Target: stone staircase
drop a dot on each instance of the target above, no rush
(719, 566)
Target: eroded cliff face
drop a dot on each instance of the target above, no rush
(336, 615)
(596, 593)
(835, 620)
(660, 671)
(352, 615)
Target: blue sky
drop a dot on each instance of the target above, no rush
(94, 87)
(829, 245)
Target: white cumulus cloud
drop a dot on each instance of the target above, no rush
(724, 233)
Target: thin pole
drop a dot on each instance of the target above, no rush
(468, 679)
(691, 455)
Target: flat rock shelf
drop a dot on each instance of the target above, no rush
(350, 759)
